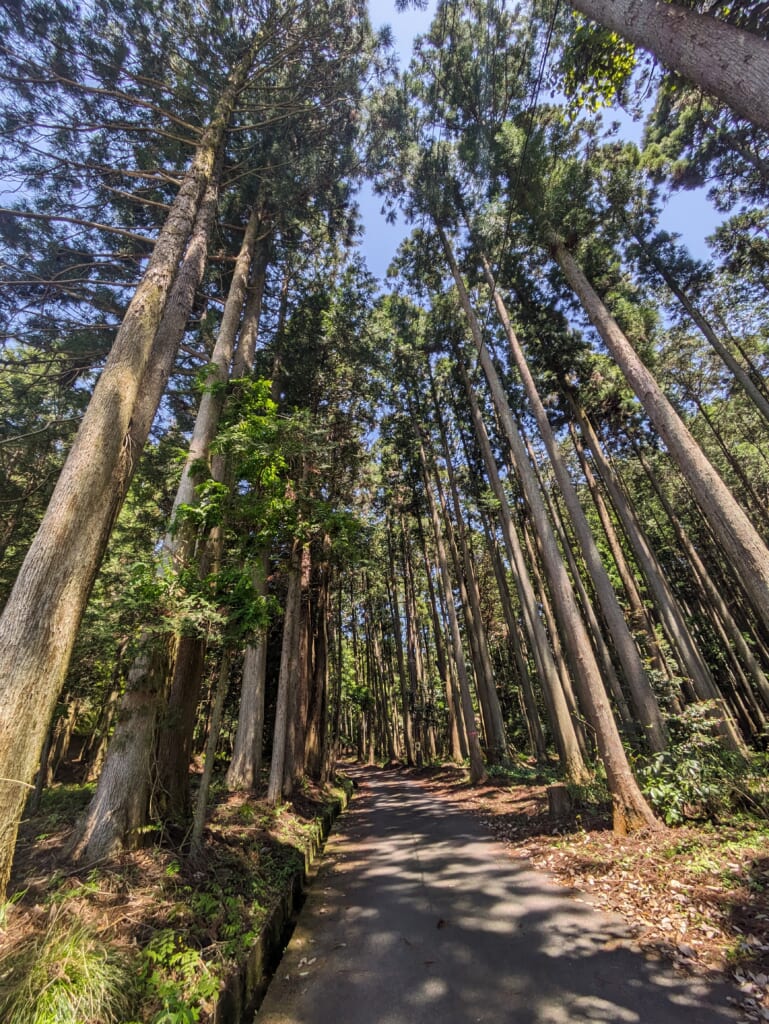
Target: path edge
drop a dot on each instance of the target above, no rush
(243, 991)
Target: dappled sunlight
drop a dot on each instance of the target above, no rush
(427, 919)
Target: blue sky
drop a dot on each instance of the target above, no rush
(687, 213)
(382, 239)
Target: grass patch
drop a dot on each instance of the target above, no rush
(65, 975)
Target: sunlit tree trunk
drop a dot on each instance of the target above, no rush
(477, 769)
(42, 615)
(487, 692)
(566, 740)
(638, 613)
(214, 731)
(110, 807)
(721, 59)
(533, 723)
(287, 678)
(245, 766)
(631, 810)
(455, 744)
(635, 675)
(732, 528)
(688, 654)
(408, 729)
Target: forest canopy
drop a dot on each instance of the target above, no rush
(259, 508)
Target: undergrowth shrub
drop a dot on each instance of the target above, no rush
(176, 981)
(696, 777)
(65, 975)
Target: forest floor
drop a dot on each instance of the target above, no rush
(696, 895)
(173, 929)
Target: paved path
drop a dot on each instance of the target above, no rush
(418, 916)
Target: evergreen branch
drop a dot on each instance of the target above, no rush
(28, 214)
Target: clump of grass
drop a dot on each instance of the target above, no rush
(65, 975)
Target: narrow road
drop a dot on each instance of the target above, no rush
(418, 916)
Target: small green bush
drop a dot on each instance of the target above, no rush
(697, 777)
(176, 979)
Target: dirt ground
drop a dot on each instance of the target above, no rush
(696, 895)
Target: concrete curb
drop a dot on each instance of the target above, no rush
(244, 990)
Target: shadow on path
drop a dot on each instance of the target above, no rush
(417, 915)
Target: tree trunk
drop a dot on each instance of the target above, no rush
(392, 587)
(246, 763)
(287, 677)
(214, 731)
(176, 734)
(177, 542)
(566, 740)
(318, 710)
(117, 813)
(721, 59)
(294, 768)
(477, 770)
(638, 613)
(43, 613)
(644, 701)
(732, 528)
(691, 662)
(413, 650)
(631, 810)
(533, 723)
(455, 745)
(155, 379)
(495, 725)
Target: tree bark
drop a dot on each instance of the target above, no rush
(495, 725)
(566, 740)
(100, 813)
(246, 763)
(631, 811)
(691, 662)
(514, 634)
(118, 810)
(638, 612)
(392, 588)
(721, 59)
(637, 680)
(214, 731)
(455, 744)
(477, 769)
(287, 676)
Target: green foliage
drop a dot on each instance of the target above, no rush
(65, 975)
(697, 776)
(176, 978)
(597, 65)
